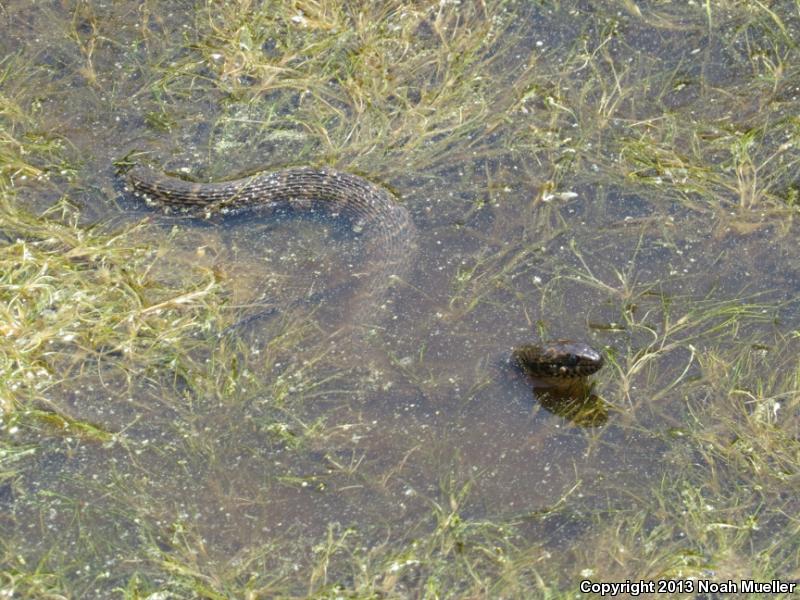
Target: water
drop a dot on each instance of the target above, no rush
(302, 450)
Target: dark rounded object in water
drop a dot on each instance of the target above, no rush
(558, 358)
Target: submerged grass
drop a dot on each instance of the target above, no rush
(497, 117)
(387, 87)
(725, 508)
(74, 298)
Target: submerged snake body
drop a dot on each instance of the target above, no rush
(389, 231)
(389, 244)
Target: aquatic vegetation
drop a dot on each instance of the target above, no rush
(622, 172)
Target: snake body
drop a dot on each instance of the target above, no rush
(390, 233)
(389, 243)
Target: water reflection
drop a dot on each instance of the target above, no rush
(575, 402)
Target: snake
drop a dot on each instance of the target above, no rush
(370, 208)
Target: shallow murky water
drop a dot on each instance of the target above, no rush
(409, 422)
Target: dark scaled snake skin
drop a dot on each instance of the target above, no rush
(389, 233)
(389, 244)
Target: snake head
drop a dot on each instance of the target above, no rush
(558, 358)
